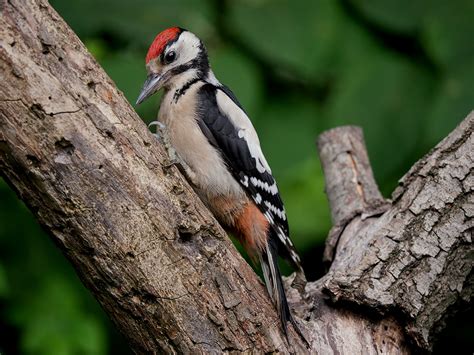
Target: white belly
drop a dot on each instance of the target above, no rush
(212, 176)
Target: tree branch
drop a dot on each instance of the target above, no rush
(416, 259)
(143, 243)
(158, 262)
(350, 183)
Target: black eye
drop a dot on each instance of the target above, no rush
(170, 57)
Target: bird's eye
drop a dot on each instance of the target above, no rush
(170, 57)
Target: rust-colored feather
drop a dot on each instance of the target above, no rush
(252, 229)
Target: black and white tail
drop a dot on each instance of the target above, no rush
(274, 283)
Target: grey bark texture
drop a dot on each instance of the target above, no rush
(161, 266)
(413, 258)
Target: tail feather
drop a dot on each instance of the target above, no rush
(274, 283)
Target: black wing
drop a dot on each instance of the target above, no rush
(222, 133)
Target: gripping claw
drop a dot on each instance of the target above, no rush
(159, 124)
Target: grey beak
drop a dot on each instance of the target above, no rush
(152, 85)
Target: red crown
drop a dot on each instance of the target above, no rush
(160, 42)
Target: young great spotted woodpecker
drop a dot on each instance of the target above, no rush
(220, 150)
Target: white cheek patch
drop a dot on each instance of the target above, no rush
(186, 47)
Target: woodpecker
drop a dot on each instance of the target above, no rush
(214, 138)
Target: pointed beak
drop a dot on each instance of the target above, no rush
(152, 84)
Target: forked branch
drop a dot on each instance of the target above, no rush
(157, 261)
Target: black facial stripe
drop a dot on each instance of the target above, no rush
(201, 62)
(180, 69)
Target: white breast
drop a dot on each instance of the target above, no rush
(212, 176)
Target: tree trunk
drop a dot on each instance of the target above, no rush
(162, 267)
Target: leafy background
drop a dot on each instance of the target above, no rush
(403, 70)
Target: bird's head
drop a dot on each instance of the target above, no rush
(174, 57)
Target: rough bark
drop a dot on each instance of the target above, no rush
(350, 183)
(139, 238)
(161, 266)
(415, 260)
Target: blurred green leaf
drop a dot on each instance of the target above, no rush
(240, 75)
(97, 47)
(128, 71)
(452, 102)
(388, 96)
(398, 16)
(287, 130)
(306, 204)
(447, 32)
(3, 282)
(300, 35)
(134, 23)
(54, 323)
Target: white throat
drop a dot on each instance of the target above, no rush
(178, 81)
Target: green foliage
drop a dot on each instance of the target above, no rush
(40, 293)
(3, 282)
(54, 320)
(294, 34)
(401, 70)
(232, 67)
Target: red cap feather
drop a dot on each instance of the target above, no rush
(160, 42)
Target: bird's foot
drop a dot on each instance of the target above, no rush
(160, 130)
(161, 134)
(174, 158)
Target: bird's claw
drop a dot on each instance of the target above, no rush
(173, 157)
(160, 132)
(162, 135)
(159, 124)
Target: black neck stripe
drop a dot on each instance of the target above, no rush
(181, 91)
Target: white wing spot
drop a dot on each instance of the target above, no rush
(282, 237)
(288, 240)
(245, 181)
(273, 189)
(295, 256)
(269, 217)
(275, 210)
(258, 198)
